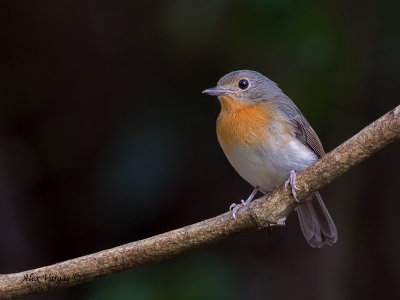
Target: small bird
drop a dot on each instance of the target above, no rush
(267, 140)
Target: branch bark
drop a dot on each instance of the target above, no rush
(260, 214)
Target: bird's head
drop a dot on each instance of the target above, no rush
(245, 86)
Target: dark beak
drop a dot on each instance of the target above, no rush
(215, 91)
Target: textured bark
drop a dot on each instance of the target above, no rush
(260, 214)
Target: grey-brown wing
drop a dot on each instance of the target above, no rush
(303, 131)
(305, 134)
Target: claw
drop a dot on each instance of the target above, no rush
(292, 181)
(235, 207)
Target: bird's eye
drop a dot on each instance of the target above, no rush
(243, 84)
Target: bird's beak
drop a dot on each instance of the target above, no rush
(215, 91)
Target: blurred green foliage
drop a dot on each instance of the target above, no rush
(200, 277)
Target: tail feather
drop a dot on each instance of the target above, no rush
(316, 223)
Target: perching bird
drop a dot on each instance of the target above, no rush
(267, 140)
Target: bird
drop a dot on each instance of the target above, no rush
(268, 141)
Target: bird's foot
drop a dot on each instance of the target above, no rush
(292, 181)
(235, 207)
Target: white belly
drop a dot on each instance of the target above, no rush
(270, 164)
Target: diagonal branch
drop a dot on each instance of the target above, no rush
(258, 215)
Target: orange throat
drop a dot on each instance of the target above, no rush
(241, 123)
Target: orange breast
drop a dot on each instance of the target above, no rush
(242, 122)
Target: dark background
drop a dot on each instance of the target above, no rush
(105, 138)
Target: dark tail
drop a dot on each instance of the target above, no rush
(316, 223)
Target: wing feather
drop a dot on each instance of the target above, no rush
(305, 134)
(301, 128)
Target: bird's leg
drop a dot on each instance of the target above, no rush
(235, 207)
(292, 181)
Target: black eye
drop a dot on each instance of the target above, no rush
(243, 84)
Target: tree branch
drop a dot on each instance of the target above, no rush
(260, 214)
